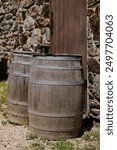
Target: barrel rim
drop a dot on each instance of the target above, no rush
(57, 54)
(22, 52)
(58, 57)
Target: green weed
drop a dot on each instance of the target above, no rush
(3, 92)
(30, 136)
(37, 146)
(91, 136)
(4, 122)
(64, 145)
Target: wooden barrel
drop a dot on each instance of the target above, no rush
(55, 96)
(18, 87)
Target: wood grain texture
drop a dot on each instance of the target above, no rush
(18, 87)
(69, 25)
(55, 96)
(70, 31)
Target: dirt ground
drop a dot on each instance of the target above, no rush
(16, 137)
(13, 137)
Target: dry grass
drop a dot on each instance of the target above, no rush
(3, 92)
(3, 96)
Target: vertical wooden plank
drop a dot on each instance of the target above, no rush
(53, 37)
(83, 46)
(57, 41)
(66, 26)
(61, 22)
(71, 24)
(74, 28)
(83, 34)
(51, 24)
(77, 6)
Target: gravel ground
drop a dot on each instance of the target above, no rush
(13, 137)
(16, 137)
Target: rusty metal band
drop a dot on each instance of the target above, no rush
(59, 83)
(18, 74)
(54, 115)
(54, 129)
(17, 115)
(13, 102)
(56, 67)
(21, 63)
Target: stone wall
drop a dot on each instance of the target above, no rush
(24, 25)
(94, 58)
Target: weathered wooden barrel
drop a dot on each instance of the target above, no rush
(55, 96)
(18, 87)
